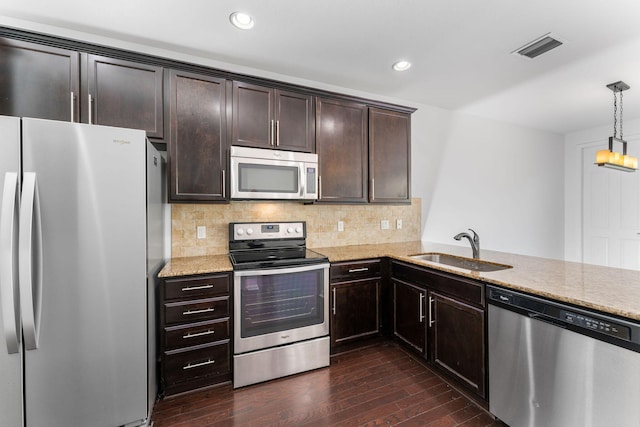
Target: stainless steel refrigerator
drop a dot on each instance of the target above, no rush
(81, 241)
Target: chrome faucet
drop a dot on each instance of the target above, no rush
(475, 242)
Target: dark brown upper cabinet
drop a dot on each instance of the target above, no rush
(38, 81)
(124, 94)
(264, 117)
(197, 137)
(389, 156)
(341, 143)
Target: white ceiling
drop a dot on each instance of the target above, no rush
(460, 49)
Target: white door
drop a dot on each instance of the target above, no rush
(610, 213)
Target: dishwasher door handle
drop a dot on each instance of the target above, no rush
(549, 320)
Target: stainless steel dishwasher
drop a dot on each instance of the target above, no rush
(552, 364)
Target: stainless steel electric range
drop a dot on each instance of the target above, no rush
(281, 309)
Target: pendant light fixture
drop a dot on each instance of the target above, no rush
(613, 159)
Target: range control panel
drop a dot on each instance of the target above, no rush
(595, 324)
(267, 230)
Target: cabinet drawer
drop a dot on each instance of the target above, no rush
(196, 310)
(194, 363)
(449, 284)
(201, 287)
(344, 271)
(196, 334)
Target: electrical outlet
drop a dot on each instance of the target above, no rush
(340, 225)
(399, 224)
(201, 232)
(384, 224)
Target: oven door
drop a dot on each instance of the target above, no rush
(273, 307)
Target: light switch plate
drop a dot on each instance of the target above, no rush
(340, 225)
(384, 224)
(399, 224)
(201, 232)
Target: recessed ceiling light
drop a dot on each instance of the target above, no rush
(241, 20)
(402, 65)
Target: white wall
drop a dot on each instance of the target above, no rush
(574, 144)
(504, 181)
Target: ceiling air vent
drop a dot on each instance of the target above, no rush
(539, 46)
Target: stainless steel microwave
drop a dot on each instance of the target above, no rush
(258, 173)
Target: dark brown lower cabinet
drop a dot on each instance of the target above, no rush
(442, 318)
(354, 310)
(354, 292)
(195, 332)
(457, 340)
(410, 323)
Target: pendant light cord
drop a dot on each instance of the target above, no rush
(615, 114)
(621, 134)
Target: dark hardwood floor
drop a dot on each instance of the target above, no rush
(381, 385)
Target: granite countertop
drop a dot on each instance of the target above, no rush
(187, 266)
(610, 290)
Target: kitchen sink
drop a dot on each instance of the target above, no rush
(461, 262)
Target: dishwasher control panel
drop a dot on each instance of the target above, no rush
(587, 322)
(621, 332)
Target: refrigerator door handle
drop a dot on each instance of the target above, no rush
(9, 262)
(30, 261)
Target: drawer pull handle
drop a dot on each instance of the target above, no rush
(198, 334)
(204, 310)
(197, 288)
(358, 270)
(197, 365)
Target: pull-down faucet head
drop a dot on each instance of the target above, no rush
(474, 241)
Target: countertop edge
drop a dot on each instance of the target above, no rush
(544, 277)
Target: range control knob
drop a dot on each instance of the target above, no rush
(249, 231)
(240, 231)
(289, 230)
(298, 230)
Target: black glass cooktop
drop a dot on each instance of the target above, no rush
(274, 258)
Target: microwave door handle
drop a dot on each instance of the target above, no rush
(303, 180)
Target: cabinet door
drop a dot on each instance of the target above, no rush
(457, 340)
(389, 156)
(410, 324)
(38, 81)
(295, 128)
(253, 124)
(197, 148)
(125, 94)
(354, 310)
(341, 143)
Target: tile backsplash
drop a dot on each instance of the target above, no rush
(361, 223)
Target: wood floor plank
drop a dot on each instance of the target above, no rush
(376, 386)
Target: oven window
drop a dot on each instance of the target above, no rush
(280, 302)
(267, 178)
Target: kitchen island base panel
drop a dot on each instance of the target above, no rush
(263, 365)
